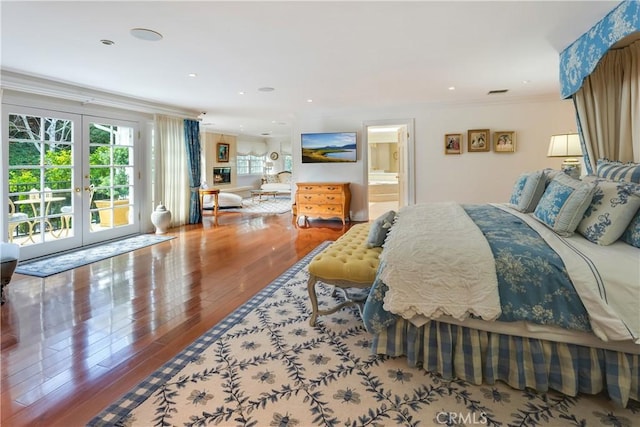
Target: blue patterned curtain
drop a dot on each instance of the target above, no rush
(581, 57)
(192, 142)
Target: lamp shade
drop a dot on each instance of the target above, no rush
(565, 145)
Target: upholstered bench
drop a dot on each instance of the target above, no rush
(346, 263)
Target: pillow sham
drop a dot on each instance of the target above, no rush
(549, 174)
(618, 171)
(563, 204)
(516, 193)
(531, 192)
(632, 234)
(271, 179)
(379, 229)
(611, 209)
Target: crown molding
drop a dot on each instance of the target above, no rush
(12, 80)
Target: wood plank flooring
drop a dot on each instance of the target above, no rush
(73, 343)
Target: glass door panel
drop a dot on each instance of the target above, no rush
(41, 179)
(111, 175)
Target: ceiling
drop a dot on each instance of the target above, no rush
(344, 56)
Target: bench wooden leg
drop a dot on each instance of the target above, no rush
(315, 312)
(311, 287)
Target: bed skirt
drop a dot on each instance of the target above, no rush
(481, 357)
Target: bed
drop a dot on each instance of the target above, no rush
(512, 292)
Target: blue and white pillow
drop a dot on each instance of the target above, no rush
(564, 203)
(632, 233)
(611, 209)
(527, 191)
(618, 171)
(516, 193)
(532, 192)
(379, 229)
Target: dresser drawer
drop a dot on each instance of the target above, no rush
(334, 210)
(326, 198)
(320, 188)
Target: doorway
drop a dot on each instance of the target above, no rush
(388, 170)
(70, 180)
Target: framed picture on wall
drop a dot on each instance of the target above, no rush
(453, 143)
(222, 151)
(478, 140)
(504, 141)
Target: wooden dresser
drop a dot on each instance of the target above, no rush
(323, 200)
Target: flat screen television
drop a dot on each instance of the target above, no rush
(329, 147)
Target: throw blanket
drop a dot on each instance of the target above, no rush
(424, 281)
(533, 282)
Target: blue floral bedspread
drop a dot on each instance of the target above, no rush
(532, 280)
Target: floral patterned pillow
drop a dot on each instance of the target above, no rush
(613, 206)
(632, 233)
(271, 179)
(564, 203)
(516, 194)
(531, 192)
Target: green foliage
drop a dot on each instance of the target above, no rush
(27, 135)
(101, 177)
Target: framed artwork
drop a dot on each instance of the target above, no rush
(222, 150)
(504, 141)
(453, 143)
(478, 140)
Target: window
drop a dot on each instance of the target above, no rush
(250, 165)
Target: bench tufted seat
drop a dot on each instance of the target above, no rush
(346, 263)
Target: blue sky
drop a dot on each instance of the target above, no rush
(315, 140)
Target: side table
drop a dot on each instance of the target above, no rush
(209, 192)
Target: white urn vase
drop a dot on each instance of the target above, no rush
(161, 218)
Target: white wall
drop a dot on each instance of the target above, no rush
(469, 177)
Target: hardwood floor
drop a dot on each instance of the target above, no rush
(74, 342)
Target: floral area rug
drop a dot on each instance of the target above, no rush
(268, 205)
(265, 366)
(44, 267)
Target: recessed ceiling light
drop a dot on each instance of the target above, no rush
(452, 88)
(107, 42)
(526, 81)
(241, 92)
(146, 34)
(266, 89)
(309, 100)
(192, 75)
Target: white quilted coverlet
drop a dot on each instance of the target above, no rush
(438, 262)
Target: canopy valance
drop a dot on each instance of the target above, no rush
(581, 57)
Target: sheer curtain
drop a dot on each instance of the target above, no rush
(608, 108)
(172, 175)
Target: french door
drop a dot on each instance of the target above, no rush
(71, 179)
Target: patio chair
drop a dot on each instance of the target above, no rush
(15, 219)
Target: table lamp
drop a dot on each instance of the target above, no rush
(567, 145)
